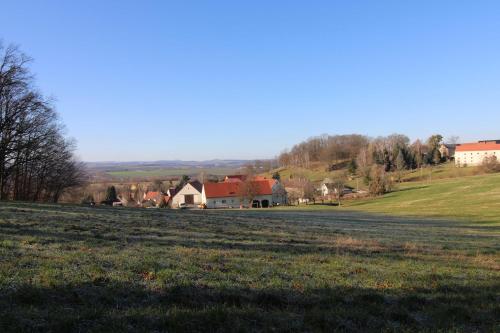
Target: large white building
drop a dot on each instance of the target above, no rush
(231, 194)
(468, 154)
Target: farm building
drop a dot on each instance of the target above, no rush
(467, 154)
(330, 189)
(190, 194)
(232, 194)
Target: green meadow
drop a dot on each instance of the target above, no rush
(90, 269)
(472, 199)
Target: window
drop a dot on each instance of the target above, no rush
(223, 201)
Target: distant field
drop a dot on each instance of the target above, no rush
(70, 268)
(172, 172)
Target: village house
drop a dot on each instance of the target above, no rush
(235, 178)
(329, 190)
(189, 195)
(232, 193)
(469, 154)
(156, 198)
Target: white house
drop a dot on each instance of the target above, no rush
(190, 194)
(467, 154)
(327, 189)
(231, 194)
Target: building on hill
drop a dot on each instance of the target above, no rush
(447, 150)
(469, 154)
(157, 198)
(235, 178)
(190, 195)
(233, 194)
(152, 196)
(328, 189)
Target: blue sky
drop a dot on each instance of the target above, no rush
(150, 80)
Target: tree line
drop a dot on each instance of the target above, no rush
(37, 161)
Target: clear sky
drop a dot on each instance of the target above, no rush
(150, 80)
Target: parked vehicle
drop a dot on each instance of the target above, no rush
(182, 205)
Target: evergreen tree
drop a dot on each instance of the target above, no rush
(400, 164)
(184, 180)
(352, 167)
(111, 194)
(436, 157)
(400, 161)
(276, 176)
(387, 161)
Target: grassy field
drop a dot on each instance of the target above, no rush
(70, 268)
(474, 199)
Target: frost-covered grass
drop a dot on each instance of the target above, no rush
(70, 268)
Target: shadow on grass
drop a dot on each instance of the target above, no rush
(412, 188)
(111, 306)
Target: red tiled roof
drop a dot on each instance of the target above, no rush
(478, 146)
(152, 195)
(234, 189)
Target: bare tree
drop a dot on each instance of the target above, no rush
(339, 186)
(36, 160)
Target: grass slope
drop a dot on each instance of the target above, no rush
(474, 198)
(69, 268)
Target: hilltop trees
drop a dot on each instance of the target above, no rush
(36, 160)
(370, 159)
(325, 148)
(358, 152)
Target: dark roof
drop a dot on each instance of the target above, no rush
(172, 191)
(197, 185)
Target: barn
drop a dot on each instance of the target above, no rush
(190, 194)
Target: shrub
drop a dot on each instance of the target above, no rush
(88, 200)
(490, 164)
